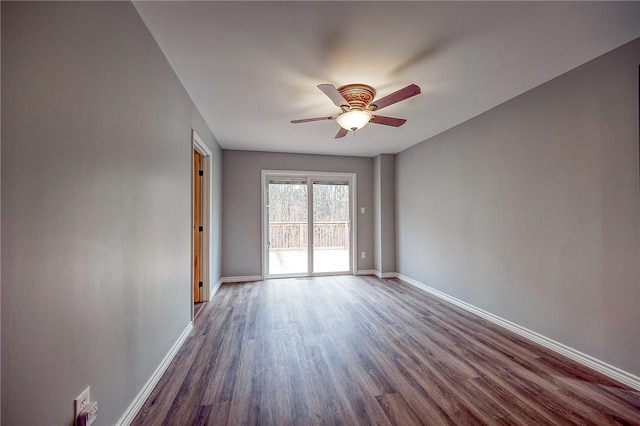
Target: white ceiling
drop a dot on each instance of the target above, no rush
(251, 67)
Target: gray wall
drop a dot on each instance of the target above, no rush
(96, 194)
(531, 210)
(377, 226)
(241, 227)
(384, 184)
(0, 226)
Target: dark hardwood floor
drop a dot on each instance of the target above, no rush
(360, 350)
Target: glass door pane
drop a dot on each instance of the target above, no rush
(331, 227)
(288, 228)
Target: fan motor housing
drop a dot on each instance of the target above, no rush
(358, 95)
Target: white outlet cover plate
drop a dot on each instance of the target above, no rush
(81, 401)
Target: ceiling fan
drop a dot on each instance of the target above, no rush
(358, 107)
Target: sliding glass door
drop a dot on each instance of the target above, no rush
(331, 227)
(308, 225)
(288, 243)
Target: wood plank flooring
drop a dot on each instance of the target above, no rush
(360, 350)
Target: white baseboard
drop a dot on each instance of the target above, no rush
(382, 275)
(241, 279)
(386, 275)
(215, 288)
(615, 373)
(135, 406)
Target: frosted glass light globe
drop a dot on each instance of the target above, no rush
(354, 119)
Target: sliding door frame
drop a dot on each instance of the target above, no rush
(310, 178)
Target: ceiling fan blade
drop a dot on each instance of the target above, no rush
(306, 120)
(333, 94)
(400, 95)
(341, 133)
(388, 121)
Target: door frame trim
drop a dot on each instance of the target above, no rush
(351, 177)
(198, 145)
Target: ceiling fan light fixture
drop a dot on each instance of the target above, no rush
(354, 120)
(357, 104)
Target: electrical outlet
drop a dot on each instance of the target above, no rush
(363, 255)
(80, 402)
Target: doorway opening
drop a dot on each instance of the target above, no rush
(197, 229)
(201, 224)
(308, 224)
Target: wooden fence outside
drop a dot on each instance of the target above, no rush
(293, 235)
